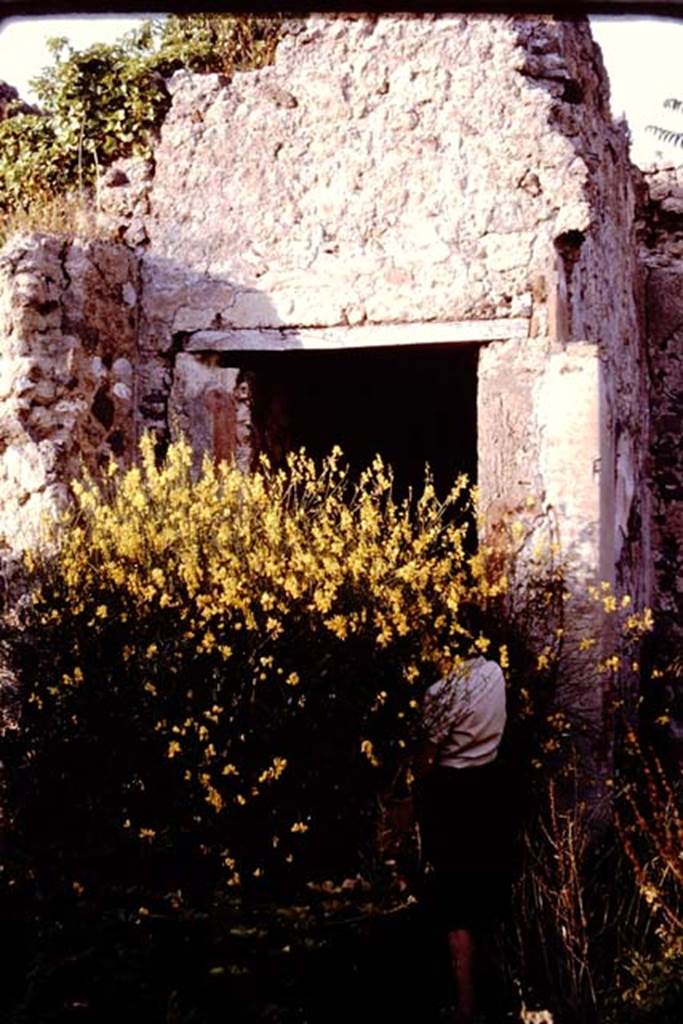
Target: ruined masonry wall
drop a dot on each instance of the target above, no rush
(400, 170)
(595, 304)
(390, 170)
(661, 252)
(68, 323)
(385, 170)
(408, 169)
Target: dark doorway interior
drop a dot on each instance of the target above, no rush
(412, 404)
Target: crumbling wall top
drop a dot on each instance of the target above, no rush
(384, 169)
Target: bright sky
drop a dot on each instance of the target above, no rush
(23, 42)
(643, 61)
(642, 56)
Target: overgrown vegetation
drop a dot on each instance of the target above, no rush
(251, 646)
(107, 101)
(595, 928)
(221, 678)
(67, 214)
(650, 829)
(218, 677)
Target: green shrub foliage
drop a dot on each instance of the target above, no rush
(108, 100)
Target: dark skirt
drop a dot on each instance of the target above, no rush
(465, 832)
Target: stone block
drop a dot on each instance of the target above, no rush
(567, 409)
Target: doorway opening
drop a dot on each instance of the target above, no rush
(412, 404)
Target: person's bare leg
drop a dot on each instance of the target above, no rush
(461, 945)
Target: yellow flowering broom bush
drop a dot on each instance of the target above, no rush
(219, 671)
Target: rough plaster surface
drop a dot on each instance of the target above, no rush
(211, 404)
(568, 410)
(382, 170)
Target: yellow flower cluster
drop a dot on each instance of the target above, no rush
(235, 552)
(368, 750)
(228, 592)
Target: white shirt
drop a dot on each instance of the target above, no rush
(465, 715)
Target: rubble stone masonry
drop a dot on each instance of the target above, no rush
(661, 254)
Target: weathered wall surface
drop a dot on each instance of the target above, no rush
(582, 378)
(661, 252)
(594, 301)
(68, 353)
(212, 404)
(382, 171)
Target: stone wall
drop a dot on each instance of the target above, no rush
(408, 170)
(596, 302)
(383, 170)
(391, 170)
(661, 252)
(68, 325)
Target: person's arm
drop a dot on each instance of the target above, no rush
(436, 726)
(438, 717)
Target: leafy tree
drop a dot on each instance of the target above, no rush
(108, 100)
(213, 43)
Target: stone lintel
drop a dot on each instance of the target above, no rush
(276, 339)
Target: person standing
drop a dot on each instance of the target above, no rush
(462, 813)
